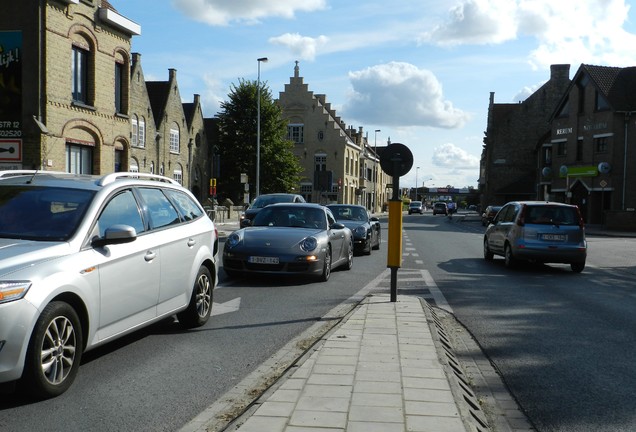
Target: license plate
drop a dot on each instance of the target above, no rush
(554, 237)
(263, 260)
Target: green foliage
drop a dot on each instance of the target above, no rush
(279, 168)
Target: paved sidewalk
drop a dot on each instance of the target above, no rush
(379, 370)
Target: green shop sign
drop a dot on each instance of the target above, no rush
(578, 171)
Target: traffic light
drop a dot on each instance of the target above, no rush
(213, 186)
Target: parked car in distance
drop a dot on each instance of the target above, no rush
(489, 214)
(539, 231)
(265, 200)
(87, 259)
(440, 208)
(366, 229)
(416, 207)
(292, 239)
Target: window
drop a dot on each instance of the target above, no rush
(600, 144)
(79, 74)
(295, 133)
(174, 138)
(119, 88)
(562, 148)
(135, 130)
(141, 137)
(547, 155)
(601, 102)
(162, 213)
(320, 162)
(178, 176)
(122, 209)
(138, 135)
(188, 209)
(79, 159)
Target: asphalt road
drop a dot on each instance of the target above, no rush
(562, 341)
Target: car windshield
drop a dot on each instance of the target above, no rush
(551, 215)
(41, 213)
(349, 213)
(265, 200)
(291, 217)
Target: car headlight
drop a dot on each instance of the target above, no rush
(13, 290)
(233, 239)
(309, 244)
(361, 231)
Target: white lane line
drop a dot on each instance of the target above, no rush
(440, 300)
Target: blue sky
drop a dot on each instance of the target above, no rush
(421, 71)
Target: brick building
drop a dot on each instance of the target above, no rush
(339, 163)
(514, 132)
(65, 74)
(590, 157)
(72, 100)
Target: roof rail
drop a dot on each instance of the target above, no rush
(110, 178)
(15, 173)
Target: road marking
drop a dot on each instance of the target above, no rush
(227, 307)
(440, 300)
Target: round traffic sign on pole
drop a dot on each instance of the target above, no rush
(396, 160)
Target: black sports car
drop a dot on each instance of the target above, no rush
(366, 229)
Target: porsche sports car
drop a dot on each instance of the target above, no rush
(288, 238)
(366, 229)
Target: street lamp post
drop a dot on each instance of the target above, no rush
(258, 126)
(416, 185)
(376, 171)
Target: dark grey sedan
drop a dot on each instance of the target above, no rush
(366, 228)
(290, 239)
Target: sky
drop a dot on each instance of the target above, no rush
(420, 71)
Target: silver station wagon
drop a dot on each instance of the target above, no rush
(87, 259)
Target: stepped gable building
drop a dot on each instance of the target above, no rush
(339, 164)
(590, 158)
(64, 85)
(514, 132)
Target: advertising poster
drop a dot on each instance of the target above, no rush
(10, 96)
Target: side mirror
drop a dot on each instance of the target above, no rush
(246, 222)
(116, 234)
(337, 225)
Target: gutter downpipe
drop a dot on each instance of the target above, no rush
(627, 115)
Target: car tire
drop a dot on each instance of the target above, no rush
(54, 352)
(198, 311)
(508, 258)
(488, 255)
(326, 268)
(379, 240)
(577, 267)
(349, 263)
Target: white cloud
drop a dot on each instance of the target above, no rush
(302, 47)
(224, 12)
(400, 94)
(454, 158)
(476, 22)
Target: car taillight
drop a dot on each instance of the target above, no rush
(578, 214)
(521, 220)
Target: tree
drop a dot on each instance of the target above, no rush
(279, 170)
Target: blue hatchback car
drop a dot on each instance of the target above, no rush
(539, 231)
